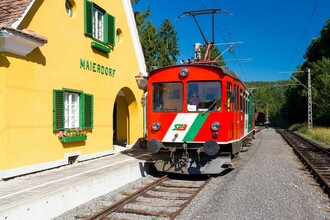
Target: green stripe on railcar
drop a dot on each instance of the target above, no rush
(250, 119)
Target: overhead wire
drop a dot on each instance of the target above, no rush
(302, 36)
(224, 39)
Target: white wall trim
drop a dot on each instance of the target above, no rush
(20, 19)
(17, 43)
(52, 164)
(135, 36)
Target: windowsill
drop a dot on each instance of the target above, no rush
(101, 47)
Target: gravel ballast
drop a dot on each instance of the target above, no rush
(269, 182)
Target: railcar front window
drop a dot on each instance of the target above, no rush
(204, 96)
(167, 97)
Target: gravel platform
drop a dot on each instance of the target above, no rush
(269, 182)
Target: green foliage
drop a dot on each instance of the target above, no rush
(320, 46)
(317, 60)
(160, 47)
(302, 128)
(215, 53)
(320, 134)
(141, 19)
(168, 44)
(148, 40)
(321, 91)
(297, 100)
(269, 98)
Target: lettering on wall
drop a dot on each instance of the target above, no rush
(97, 68)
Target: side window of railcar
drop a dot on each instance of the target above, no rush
(246, 104)
(167, 97)
(235, 100)
(241, 100)
(229, 97)
(204, 96)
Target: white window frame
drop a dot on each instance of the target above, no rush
(98, 24)
(71, 110)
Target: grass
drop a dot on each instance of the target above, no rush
(319, 134)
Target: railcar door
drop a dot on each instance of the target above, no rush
(230, 111)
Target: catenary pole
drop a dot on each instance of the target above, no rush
(309, 89)
(310, 105)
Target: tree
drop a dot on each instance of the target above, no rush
(167, 44)
(321, 91)
(215, 53)
(141, 19)
(148, 38)
(320, 46)
(134, 1)
(317, 58)
(160, 47)
(269, 98)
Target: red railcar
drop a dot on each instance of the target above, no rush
(199, 116)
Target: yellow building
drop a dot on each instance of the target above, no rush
(68, 87)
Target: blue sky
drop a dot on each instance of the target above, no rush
(275, 33)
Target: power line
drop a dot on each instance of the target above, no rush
(224, 39)
(303, 35)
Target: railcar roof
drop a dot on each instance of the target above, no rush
(223, 68)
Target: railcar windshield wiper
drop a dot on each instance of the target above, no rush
(211, 106)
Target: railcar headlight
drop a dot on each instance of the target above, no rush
(184, 72)
(215, 126)
(156, 126)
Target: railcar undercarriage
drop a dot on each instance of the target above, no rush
(207, 159)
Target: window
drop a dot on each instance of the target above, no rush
(167, 97)
(72, 109)
(237, 98)
(229, 96)
(241, 107)
(119, 35)
(204, 96)
(99, 24)
(68, 8)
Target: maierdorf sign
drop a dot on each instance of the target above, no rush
(97, 68)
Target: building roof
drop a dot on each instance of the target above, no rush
(13, 10)
(27, 33)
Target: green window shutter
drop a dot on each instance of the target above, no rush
(109, 29)
(58, 110)
(88, 18)
(87, 111)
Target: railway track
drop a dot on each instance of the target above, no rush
(164, 198)
(315, 157)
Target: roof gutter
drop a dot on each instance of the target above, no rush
(19, 42)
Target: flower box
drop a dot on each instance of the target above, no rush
(73, 138)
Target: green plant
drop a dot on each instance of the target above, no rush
(320, 134)
(72, 133)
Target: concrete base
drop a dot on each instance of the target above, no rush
(53, 198)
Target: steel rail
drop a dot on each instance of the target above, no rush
(103, 213)
(175, 214)
(312, 162)
(190, 190)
